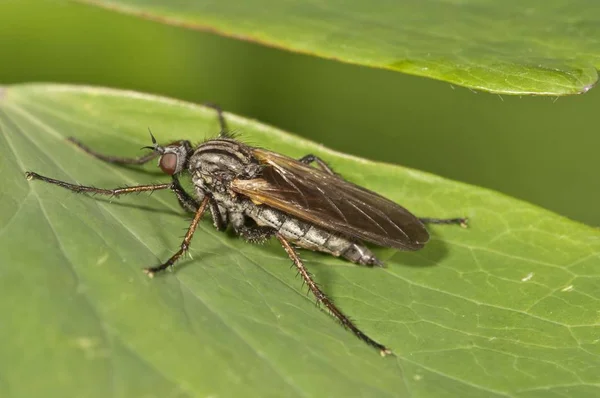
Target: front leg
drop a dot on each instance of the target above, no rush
(125, 160)
(30, 175)
(190, 204)
(185, 244)
(114, 159)
(186, 201)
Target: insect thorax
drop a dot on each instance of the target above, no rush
(215, 163)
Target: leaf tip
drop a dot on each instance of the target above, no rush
(584, 89)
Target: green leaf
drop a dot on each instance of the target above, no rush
(510, 306)
(508, 47)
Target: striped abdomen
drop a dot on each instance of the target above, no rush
(311, 237)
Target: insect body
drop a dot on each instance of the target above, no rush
(251, 196)
(262, 194)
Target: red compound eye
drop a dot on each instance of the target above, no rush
(168, 163)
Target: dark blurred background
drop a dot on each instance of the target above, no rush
(543, 150)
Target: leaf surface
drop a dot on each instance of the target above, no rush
(510, 306)
(508, 47)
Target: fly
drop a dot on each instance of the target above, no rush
(264, 194)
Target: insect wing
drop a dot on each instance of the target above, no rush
(331, 202)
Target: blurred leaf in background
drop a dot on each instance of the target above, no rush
(507, 47)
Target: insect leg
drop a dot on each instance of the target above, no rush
(190, 204)
(114, 159)
(248, 229)
(459, 221)
(186, 241)
(257, 234)
(123, 160)
(308, 159)
(219, 219)
(222, 123)
(99, 191)
(322, 298)
(187, 202)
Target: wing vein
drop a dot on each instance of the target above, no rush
(368, 216)
(332, 203)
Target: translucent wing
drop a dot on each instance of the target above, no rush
(330, 202)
